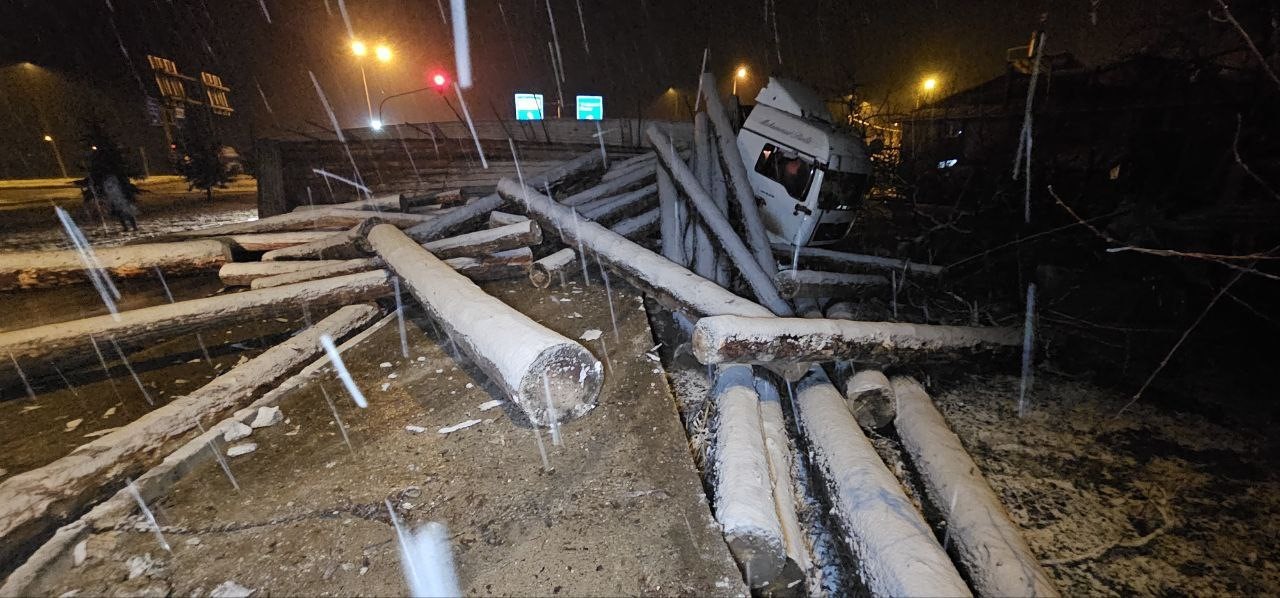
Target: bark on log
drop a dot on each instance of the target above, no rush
(611, 187)
(484, 328)
(638, 227)
(814, 283)
(807, 307)
(487, 241)
(547, 269)
(497, 218)
(42, 348)
(374, 204)
(257, 242)
(443, 225)
(629, 165)
(744, 490)
(328, 218)
(240, 274)
(763, 341)
(898, 554)
(990, 546)
(704, 260)
(617, 207)
(731, 159)
(47, 269)
(778, 449)
(347, 245)
(672, 285)
(870, 399)
(841, 310)
(340, 268)
(840, 260)
(513, 263)
(37, 500)
(672, 212)
(761, 282)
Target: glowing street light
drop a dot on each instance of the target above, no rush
(929, 84)
(57, 155)
(741, 73)
(358, 48)
(376, 124)
(382, 53)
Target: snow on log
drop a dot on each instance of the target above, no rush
(484, 328)
(839, 260)
(497, 219)
(672, 285)
(731, 159)
(46, 269)
(704, 260)
(328, 218)
(487, 241)
(35, 501)
(743, 483)
(337, 268)
(870, 399)
(778, 449)
(513, 263)
(42, 348)
(735, 339)
(990, 546)
(672, 219)
(548, 268)
(239, 274)
(638, 227)
(255, 242)
(613, 186)
(627, 166)
(345, 245)
(718, 224)
(617, 207)
(446, 224)
(374, 204)
(814, 283)
(897, 554)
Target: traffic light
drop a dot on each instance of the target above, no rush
(439, 80)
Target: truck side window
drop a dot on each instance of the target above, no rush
(792, 172)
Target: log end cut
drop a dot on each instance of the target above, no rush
(563, 383)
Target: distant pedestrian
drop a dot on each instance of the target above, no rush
(120, 202)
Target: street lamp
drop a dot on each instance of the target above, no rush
(57, 155)
(741, 73)
(383, 54)
(929, 84)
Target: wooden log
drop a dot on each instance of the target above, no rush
(374, 204)
(497, 218)
(258, 242)
(814, 283)
(638, 227)
(67, 344)
(673, 219)
(345, 245)
(841, 310)
(778, 449)
(744, 501)
(626, 167)
(761, 283)
(241, 274)
(898, 554)
(37, 500)
(329, 218)
(840, 260)
(731, 160)
(735, 339)
(611, 187)
(549, 376)
(870, 399)
(558, 264)
(487, 241)
(989, 545)
(47, 269)
(617, 207)
(513, 263)
(336, 268)
(445, 225)
(672, 285)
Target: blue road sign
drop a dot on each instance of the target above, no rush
(528, 106)
(590, 107)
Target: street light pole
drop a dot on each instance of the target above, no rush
(741, 73)
(367, 102)
(57, 155)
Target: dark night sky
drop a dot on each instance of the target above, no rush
(638, 48)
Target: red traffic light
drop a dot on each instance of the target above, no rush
(439, 80)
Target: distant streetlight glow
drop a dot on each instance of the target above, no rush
(741, 73)
(929, 84)
(358, 48)
(57, 155)
(48, 138)
(376, 124)
(383, 53)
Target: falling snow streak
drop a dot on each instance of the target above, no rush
(427, 559)
(577, 234)
(142, 504)
(772, 7)
(217, 455)
(551, 411)
(262, 95)
(263, 4)
(335, 177)
(520, 174)
(129, 367)
(23, 375)
(582, 22)
(697, 98)
(404, 341)
(555, 74)
(342, 428)
(346, 19)
(326, 341)
(1028, 349)
(461, 44)
(542, 450)
(470, 125)
(325, 100)
(1022, 157)
(408, 154)
(97, 274)
(604, 156)
(105, 370)
(556, 39)
(608, 293)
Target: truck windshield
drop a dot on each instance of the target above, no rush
(793, 172)
(841, 190)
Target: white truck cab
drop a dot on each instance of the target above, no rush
(807, 174)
